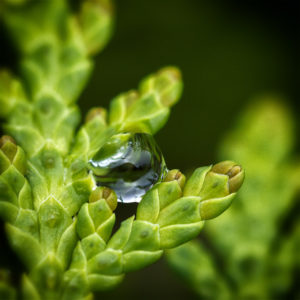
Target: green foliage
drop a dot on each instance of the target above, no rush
(57, 220)
(6, 289)
(258, 239)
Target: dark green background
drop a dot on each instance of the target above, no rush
(229, 52)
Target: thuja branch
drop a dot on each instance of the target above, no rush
(58, 193)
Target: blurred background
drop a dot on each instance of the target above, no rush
(228, 51)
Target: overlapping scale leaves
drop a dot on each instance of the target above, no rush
(58, 221)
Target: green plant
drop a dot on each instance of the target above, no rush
(252, 250)
(57, 220)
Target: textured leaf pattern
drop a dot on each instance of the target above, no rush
(57, 220)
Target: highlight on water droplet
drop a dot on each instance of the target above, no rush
(130, 164)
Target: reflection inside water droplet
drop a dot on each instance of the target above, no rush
(130, 164)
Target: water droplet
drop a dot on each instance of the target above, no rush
(130, 164)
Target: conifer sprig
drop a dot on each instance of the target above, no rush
(57, 220)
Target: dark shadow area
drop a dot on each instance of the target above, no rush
(8, 54)
(8, 259)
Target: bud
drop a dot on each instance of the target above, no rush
(96, 112)
(216, 186)
(96, 21)
(176, 175)
(194, 184)
(130, 98)
(166, 83)
(8, 147)
(235, 173)
(148, 110)
(120, 105)
(11, 154)
(107, 194)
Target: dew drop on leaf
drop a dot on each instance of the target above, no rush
(130, 164)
